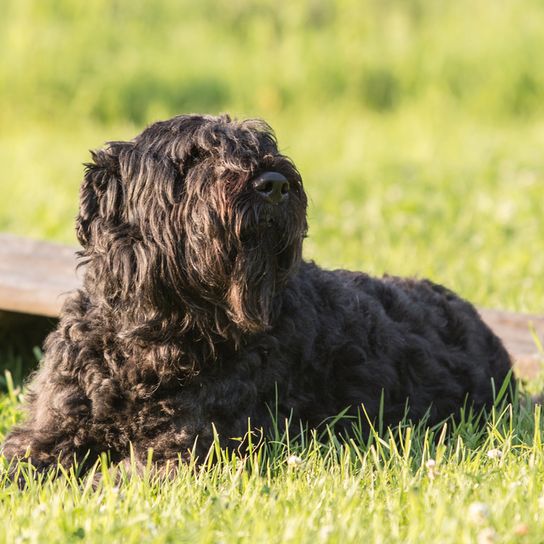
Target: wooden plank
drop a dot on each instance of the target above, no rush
(518, 332)
(35, 277)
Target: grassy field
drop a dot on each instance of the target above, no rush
(406, 486)
(418, 127)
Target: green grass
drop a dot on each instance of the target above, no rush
(418, 126)
(408, 485)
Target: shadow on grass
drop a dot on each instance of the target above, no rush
(21, 341)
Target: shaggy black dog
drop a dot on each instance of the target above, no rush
(197, 311)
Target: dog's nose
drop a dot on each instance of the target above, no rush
(272, 186)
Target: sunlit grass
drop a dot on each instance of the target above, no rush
(409, 484)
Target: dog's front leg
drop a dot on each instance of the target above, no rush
(57, 428)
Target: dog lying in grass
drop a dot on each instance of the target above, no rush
(198, 312)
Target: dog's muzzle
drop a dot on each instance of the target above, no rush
(272, 187)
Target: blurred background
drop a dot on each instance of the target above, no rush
(418, 125)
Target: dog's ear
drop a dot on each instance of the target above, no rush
(101, 195)
(127, 222)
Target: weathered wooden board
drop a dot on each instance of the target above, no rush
(35, 277)
(521, 334)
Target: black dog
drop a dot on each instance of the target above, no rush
(197, 310)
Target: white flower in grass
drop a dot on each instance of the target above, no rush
(478, 513)
(325, 532)
(294, 461)
(487, 536)
(494, 453)
(430, 464)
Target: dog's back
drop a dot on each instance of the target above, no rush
(415, 342)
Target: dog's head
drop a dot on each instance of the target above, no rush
(196, 215)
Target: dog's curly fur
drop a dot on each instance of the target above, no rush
(198, 311)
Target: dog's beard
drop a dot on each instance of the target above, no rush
(261, 268)
(266, 249)
(236, 265)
